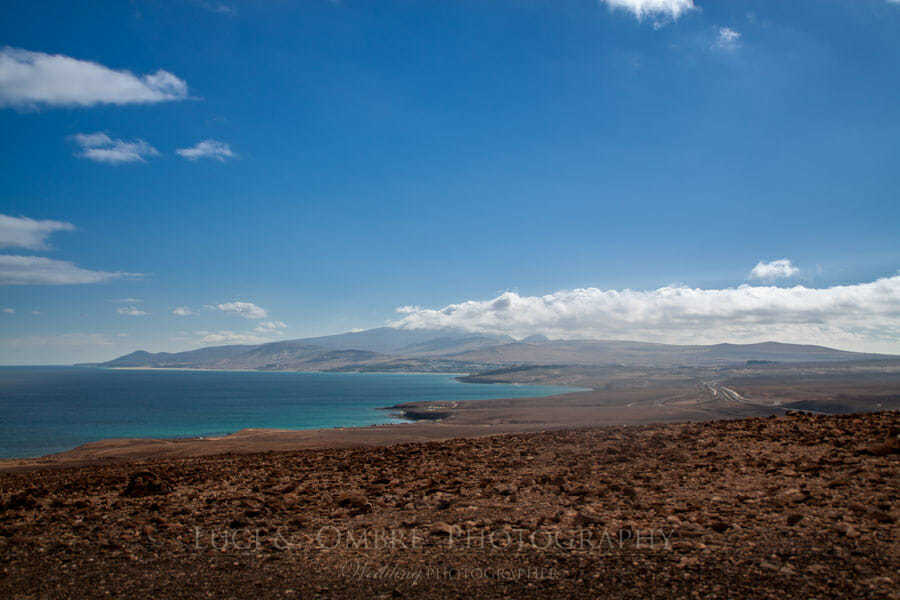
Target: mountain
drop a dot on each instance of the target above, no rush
(407, 342)
(277, 356)
(593, 352)
(391, 349)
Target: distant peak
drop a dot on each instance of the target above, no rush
(535, 339)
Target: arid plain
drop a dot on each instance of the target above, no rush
(657, 483)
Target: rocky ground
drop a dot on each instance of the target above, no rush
(793, 506)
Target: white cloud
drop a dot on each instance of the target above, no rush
(22, 232)
(230, 337)
(59, 349)
(99, 147)
(220, 8)
(270, 327)
(248, 310)
(727, 40)
(36, 312)
(32, 79)
(207, 149)
(126, 300)
(35, 270)
(131, 311)
(182, 311)
(9, 311)
(666, 9)
(776, 269)
(265, 331)
(76, 340)
(863, 316)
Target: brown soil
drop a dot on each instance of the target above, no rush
(794, 506)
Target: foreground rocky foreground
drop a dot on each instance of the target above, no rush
(794, 506)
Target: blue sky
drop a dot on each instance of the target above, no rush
(340, 160)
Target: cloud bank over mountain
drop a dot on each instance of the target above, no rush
(863, 316)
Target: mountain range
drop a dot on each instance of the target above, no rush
(393, 349)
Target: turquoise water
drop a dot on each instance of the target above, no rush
(51, 409)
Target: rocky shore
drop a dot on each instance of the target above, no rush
(783, 507)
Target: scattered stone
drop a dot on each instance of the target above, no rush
(738, 545)
(356, 503)
(442, 528)
(794, 518)
(719, 526)
(847, 529)
(890, 446)
(146, 483)
(22, 500)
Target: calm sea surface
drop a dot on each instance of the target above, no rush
(51, 409)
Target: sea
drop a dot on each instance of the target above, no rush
(44, 410)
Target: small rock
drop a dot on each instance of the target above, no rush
(588, 518)
(719, 526)
(21, 500)
(795, 496)
(848, 530)
(145, 483)
(890, 446)
(356, 503)
(442, 528)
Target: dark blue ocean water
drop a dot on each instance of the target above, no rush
(51, 409)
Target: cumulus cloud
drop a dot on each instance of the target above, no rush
(776, 269)
(9, 311)
(270, 327)
(182, 311)
(665, 9)
(265, 331)
(131, 311)
(22, 232)
(248, 310)
(727, 40)
(207, 149)
(99, 147)
(33, 79)
(35, 270)
(863, 316)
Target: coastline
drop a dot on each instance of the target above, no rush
(264, 437)
(199, 369)
(616, 397)
(428, 422)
